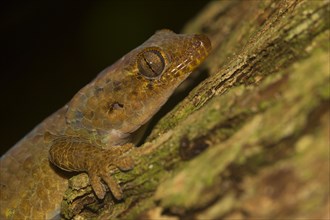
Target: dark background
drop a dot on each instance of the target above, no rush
(51, 49)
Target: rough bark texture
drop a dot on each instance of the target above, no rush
(250, 141)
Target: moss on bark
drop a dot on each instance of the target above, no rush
(251, 140)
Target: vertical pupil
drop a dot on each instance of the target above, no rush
(151, 64)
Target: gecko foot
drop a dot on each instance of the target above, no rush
(99, 188)
(100, 172)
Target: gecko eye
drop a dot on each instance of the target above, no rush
(151, 63)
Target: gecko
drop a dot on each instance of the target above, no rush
(94, 130)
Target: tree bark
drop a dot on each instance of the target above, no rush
(251, 140)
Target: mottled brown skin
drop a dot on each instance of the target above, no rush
(92, 132)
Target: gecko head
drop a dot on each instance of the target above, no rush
(168, 58)
(126, 95)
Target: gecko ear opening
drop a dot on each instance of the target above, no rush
(151, 63)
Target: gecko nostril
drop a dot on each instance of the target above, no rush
(204, 41)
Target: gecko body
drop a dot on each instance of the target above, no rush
(93, 131)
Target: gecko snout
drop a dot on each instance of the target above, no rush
(203, 42)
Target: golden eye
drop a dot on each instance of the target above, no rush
(151, 63)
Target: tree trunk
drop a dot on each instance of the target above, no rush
(252, 139)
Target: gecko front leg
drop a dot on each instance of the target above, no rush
(74, 154)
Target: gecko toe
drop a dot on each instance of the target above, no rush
(97, 186)
(114, 187)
